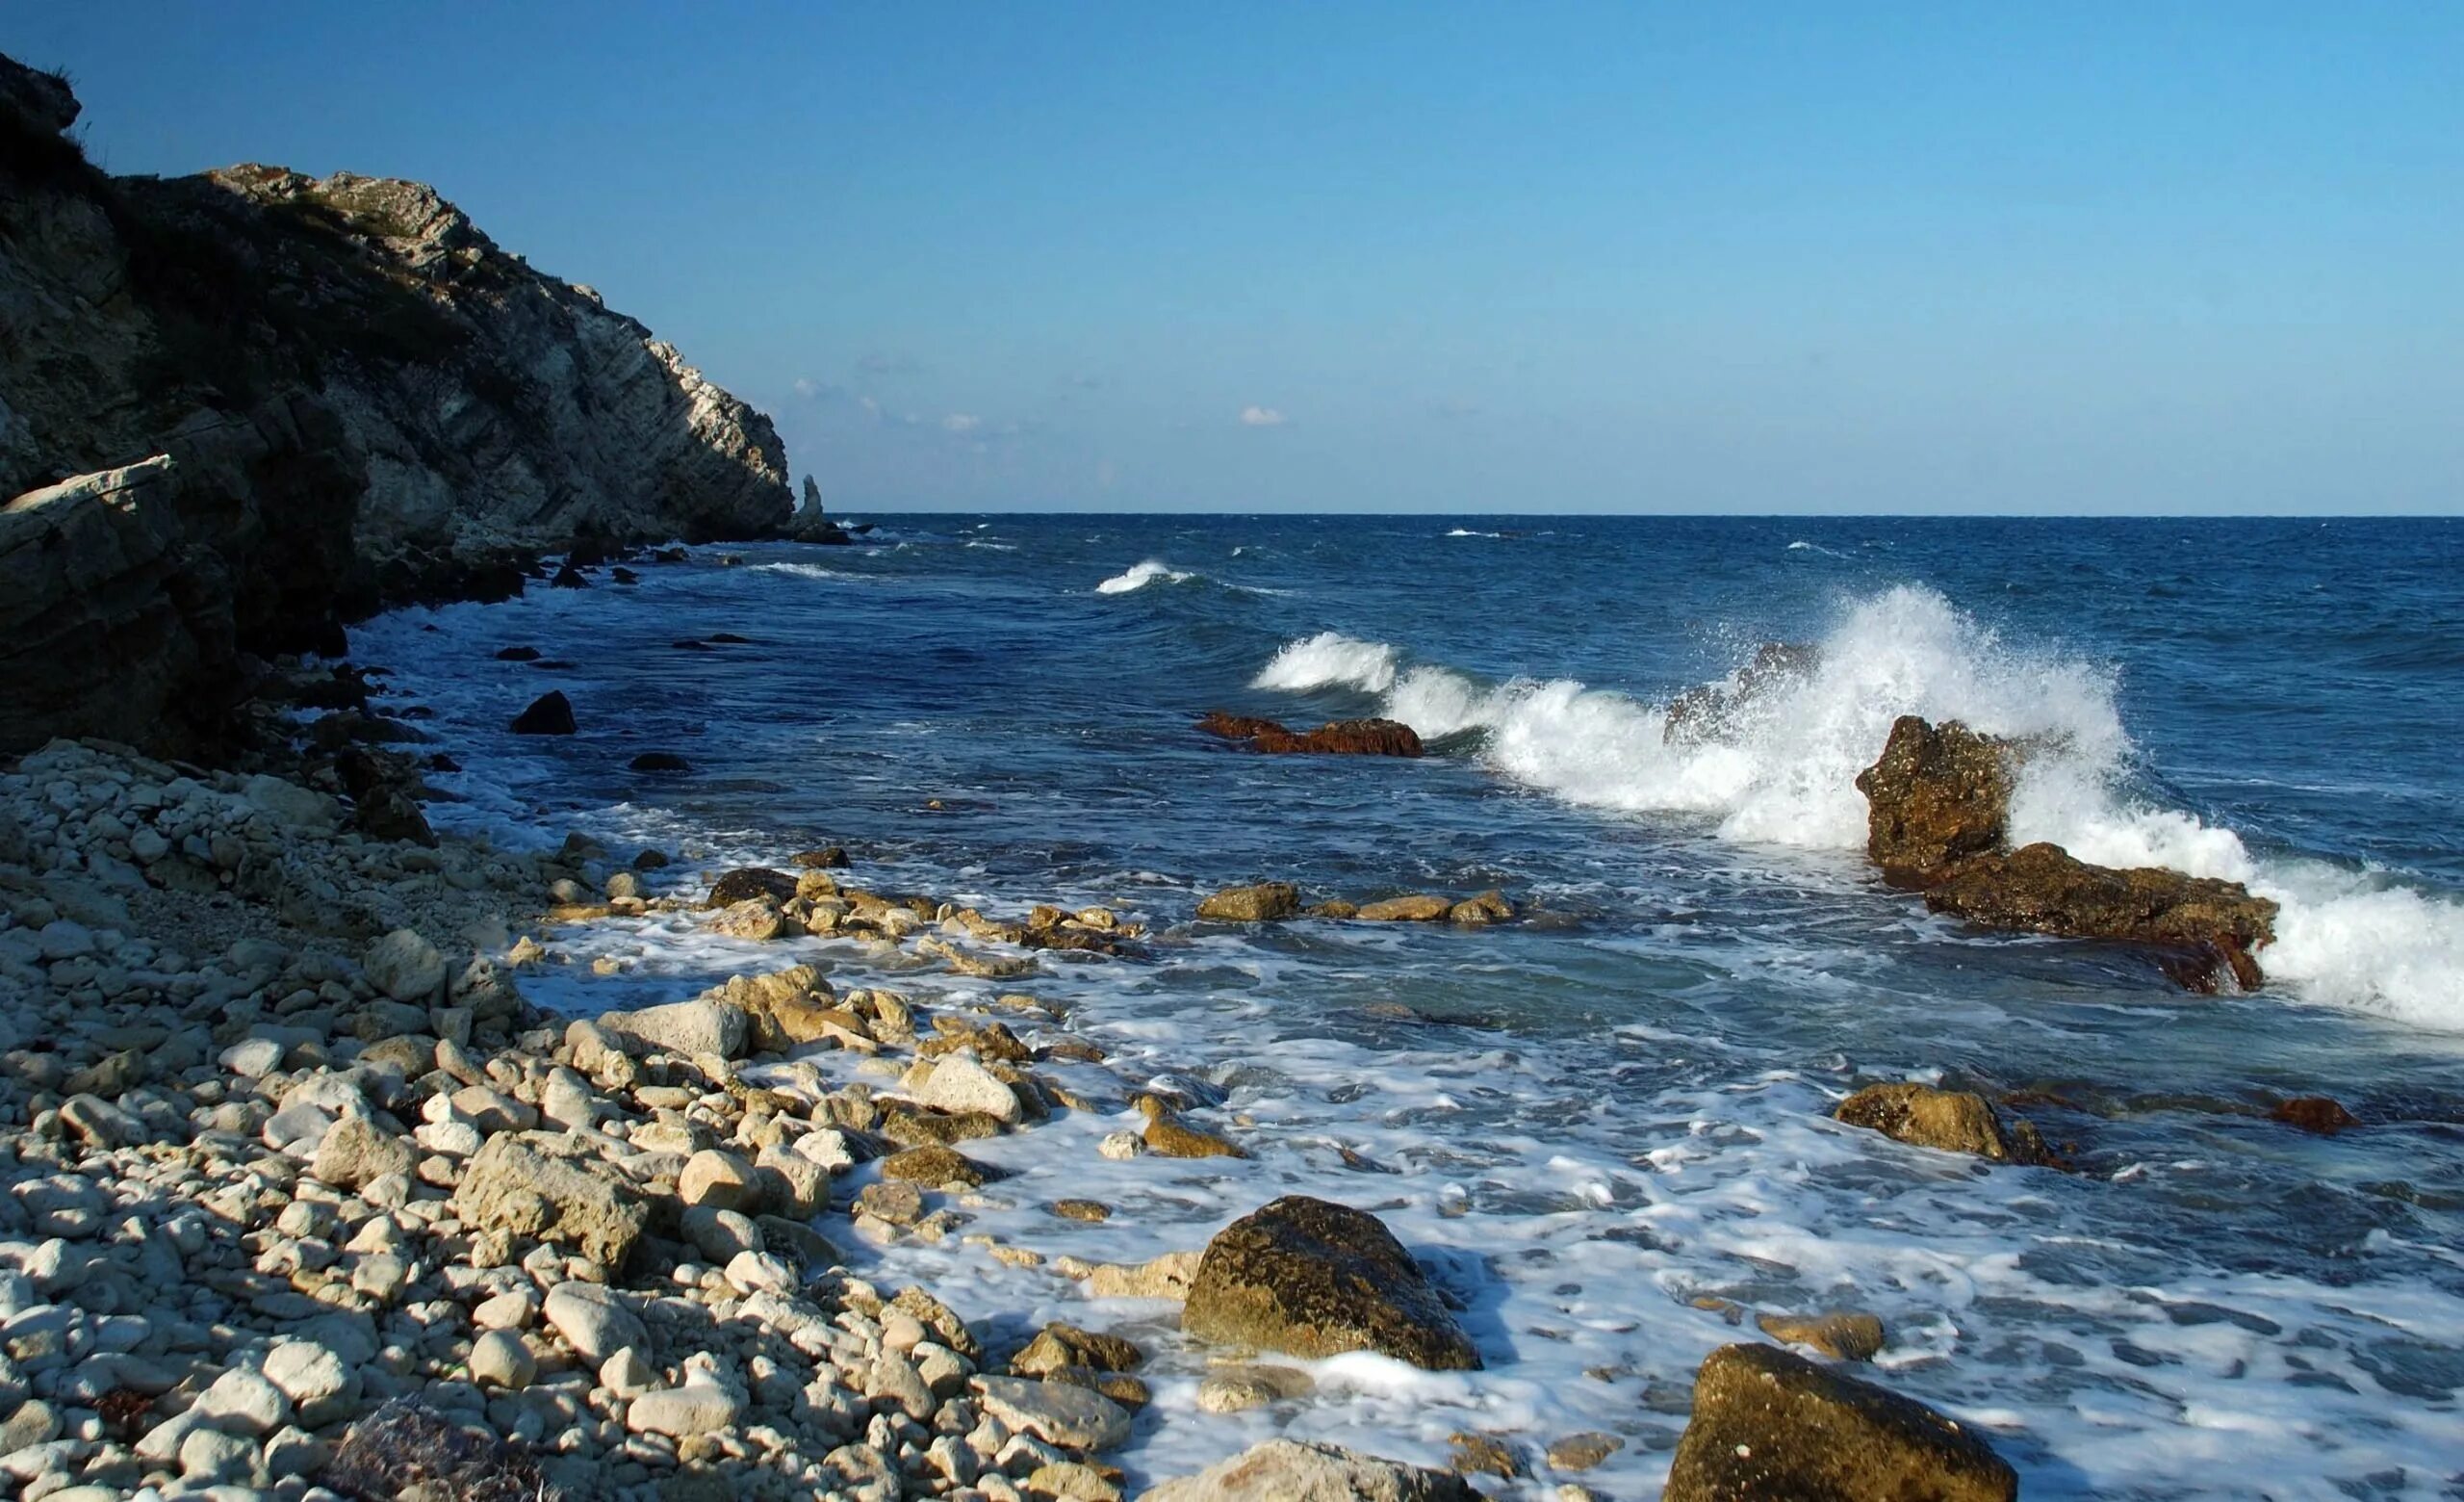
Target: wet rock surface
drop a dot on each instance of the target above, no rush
(1954, 1121)
(1287, 1470)
(1336, 738)
(1314, 1279)
(2204, 925)
(1772, 1427)
(1937, 795)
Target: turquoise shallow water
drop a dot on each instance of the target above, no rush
(1587, 1120)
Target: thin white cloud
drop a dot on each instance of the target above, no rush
(1262, 417)
(962, 423)
(808, 387)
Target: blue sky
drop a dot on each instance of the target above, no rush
(2070, 258)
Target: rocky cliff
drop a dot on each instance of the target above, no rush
(360, 397)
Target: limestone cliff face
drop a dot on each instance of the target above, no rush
(362, 397)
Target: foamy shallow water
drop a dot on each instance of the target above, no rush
(1598, 1119)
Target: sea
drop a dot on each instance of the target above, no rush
(1604, 1127)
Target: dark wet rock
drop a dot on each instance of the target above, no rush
(810, 524)
(748, 882)
(1336, 738)
(2203, 924)
(1287, 1470)
(385, 788)
(1259, 904)
(729, 639)
(1938, 796)
(1770, 1426)
(934, 1165)
(1476, 1454)
(404, 1452)
(1710, 710)
(2314, 1113)
(660, 762)
(551, 713)
(829, 858)
(1315, 1279)
(1954, 1121)
(623, 576)
(691, 646)
(568, 576)
(1059, 1346)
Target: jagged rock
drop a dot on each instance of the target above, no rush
(362, 397)
(406, 1453)
(1954, 1121)
(1287, 1470)
(810, 525)
(1938, 796)
(1713, 711)
(748, 882)
(1261, 903)
(1415, 908)
(510, 1186)
(551, 713)
(2202, 924)
(1772, 1427)
(1336, 738)
(1315, 1279)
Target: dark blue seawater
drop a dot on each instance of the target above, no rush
(1589, 1120)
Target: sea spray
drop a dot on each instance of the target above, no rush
(1780, 768)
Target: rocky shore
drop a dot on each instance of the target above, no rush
(242, 408)
(304, 1199)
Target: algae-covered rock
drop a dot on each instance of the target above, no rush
(1769, 1426)
(1316, 1278)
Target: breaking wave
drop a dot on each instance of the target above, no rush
(1776, 764)
(1137, 576)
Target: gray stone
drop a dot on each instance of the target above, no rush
(593, 1320)
(684, 1027)
(1070, 1416)
(1285, 1470)
(405, 966)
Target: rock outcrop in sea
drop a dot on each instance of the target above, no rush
(1937, 812)
(243, 407)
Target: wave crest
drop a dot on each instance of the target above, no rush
(1137, 576)
(1780, 765)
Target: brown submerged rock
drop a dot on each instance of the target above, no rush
(1842, 1335)
(1315, 1279)
(748, 882)
(1336, 738)
(1772, 1427)
(2043, 888)
(2320, 1114)
(1938, 794)
(1261, 903)
(1954, 1121)
(1414, 908)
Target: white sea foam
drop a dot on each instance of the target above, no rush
(803, 571)
(1781, 770)
(1330, 660)
(1139, 576)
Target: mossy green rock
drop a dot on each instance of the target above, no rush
(1770, 1426)
(1315, 1279)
